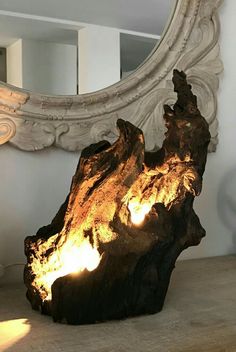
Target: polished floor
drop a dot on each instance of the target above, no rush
(199, 316)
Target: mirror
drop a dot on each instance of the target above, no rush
(31, 120)
(75, 47)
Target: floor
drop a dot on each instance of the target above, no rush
(199, 316)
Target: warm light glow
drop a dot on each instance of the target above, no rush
(71, 251)
(159, 185)
(138, 211)
(12, 331)
(70, 258)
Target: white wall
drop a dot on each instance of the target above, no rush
(48, 68)
(216, 206)
(99, 58)
(33, 185)
(32, 188)
(14, 64)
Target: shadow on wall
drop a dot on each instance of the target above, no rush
(226, 202)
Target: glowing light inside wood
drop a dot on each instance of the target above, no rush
(138, 211)
(71, 258)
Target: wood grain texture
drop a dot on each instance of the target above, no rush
(133, 275)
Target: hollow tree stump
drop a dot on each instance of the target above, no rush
(129, 215)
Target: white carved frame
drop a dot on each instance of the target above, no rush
(31, 121)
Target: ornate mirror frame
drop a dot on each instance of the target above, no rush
(32, 121)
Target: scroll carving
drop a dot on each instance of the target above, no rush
(7, 129)
(74, 122)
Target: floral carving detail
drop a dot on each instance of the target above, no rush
(72, 123)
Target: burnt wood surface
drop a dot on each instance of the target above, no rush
(134, 272)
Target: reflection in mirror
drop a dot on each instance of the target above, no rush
(49, 50)
(3, 65)
(134, 50)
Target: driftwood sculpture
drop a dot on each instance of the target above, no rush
(110, 250)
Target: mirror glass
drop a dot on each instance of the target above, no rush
(71, 47)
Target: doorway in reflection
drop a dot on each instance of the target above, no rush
(53, 52)
(89, 60)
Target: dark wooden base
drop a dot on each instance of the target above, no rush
(134, 272)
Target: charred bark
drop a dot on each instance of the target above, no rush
(136, 263)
